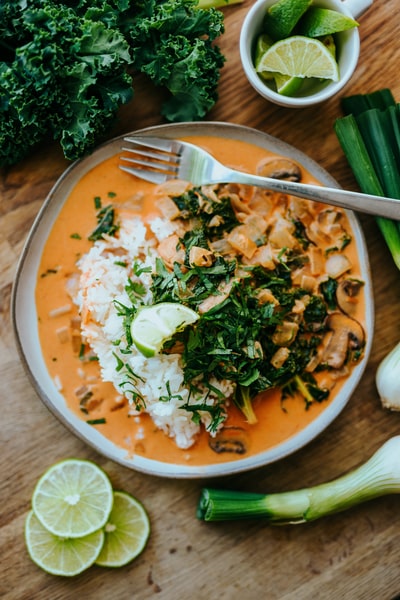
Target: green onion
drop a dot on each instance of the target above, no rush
(379, 476)
(369, 135)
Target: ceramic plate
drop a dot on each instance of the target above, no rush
(25, 316)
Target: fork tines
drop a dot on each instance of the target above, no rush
(153, 159)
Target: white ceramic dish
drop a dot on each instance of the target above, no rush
(348, 53)
(24, 314)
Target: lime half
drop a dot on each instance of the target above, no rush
(73, 498)
(59, 555)
(126, 532)
(154, 325)
(299, 56)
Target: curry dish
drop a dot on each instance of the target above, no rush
(275, 281)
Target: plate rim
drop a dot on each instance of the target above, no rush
(87, 433)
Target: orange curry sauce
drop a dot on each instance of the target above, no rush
(137, 434)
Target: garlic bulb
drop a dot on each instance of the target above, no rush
(388, 379)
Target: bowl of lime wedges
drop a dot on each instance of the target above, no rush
(297, 53)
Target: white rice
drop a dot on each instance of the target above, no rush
(102, 283)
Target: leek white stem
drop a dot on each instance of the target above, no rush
(379, 476)
(387, 379)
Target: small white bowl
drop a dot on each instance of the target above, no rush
(348, 53)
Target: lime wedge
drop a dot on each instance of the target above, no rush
(329, 42)
(73, 498)
(263, 43)
(154, 325)
(282, 16)
(318, 21)
(299, 56)
(59, 555)
(126, 532)
(287, 85)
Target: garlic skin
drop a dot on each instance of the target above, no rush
(388, 379)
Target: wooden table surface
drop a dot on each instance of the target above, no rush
(352, 555)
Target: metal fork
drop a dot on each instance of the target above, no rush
(160, 159)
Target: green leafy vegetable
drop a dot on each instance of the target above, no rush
(66, 67)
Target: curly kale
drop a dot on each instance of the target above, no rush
(66, 67)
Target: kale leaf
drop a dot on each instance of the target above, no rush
(67, 67)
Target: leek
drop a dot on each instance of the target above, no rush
(369, 135)
(379, 476)
(216, 3)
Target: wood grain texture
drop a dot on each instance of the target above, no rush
(352, 556)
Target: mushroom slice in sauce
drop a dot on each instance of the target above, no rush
(347, 295)
(347, 334)
(230, 439)
(279, 168)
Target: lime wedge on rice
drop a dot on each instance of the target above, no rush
(73, 498)
(60, 555)
(299, 56)
(317, 22)
(282, 16)
(154, 325)
(126, 532)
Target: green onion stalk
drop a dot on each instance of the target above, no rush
(379, 476)
(369, 135)
(216, 3)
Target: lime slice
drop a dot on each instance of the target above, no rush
(317, 22)
(287, 85)
(126, 532)
(73, 498)
(154, 325)
(58, 555)
(282, 16)
(299, 56)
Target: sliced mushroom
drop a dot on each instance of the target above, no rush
(347, 295)
(347, 334)
(279, 168)
(285, 333)
(200, 257)
(230, 439)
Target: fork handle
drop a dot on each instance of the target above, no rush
(366, 203)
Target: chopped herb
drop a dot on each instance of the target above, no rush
(138, 269)
(97, 202)
(129, 384)
(101, 421)
(307, 387)
(111, 194)
(49, 272)
(328, 290)
(75, 236)
(105, 224)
